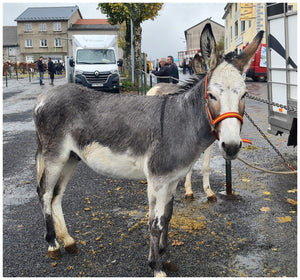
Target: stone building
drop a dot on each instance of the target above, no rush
(11, 49)
(44, 31)
(192, 35)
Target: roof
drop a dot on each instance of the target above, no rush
(208, 19)
(92, 21)
(47, 13)
(93, 24)
(10, 36)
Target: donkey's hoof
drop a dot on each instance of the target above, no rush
(212, 198)
(170, 266)
(189, 196)
(55, 254)
(72, 248)
(160, 274)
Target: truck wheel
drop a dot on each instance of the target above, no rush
(261, 79)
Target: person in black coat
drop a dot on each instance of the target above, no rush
(51, 70)
(163, 71)
(173, 69)
(40, 69)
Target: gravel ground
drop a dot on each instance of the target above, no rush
(255, 235)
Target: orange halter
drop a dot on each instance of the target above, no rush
(214, 122)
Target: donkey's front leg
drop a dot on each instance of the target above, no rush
(161, 198)
(205, 172)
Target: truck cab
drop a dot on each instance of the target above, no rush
(258, 66)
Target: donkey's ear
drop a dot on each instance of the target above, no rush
(208, 47)
(242, 61)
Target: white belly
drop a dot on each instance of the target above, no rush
(102, 160)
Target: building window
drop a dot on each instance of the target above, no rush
(43, 27)
(235, 7)
(43, 43)
(57, 42)
(230, 34)
(28, 43)
(249, 25)
(236, 29)
(28, 27)
(57, 26)
(29, 58)
(243, 26)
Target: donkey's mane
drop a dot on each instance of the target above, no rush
(189, 84)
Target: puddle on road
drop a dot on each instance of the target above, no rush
(251, 264)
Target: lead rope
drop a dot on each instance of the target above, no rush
(275, 149)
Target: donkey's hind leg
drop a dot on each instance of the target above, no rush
(188, 185)
(160, 198)
(48, 173)
(58, 217)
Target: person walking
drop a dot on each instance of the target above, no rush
(173, 69)
(51, 70)
(40, 69)
(164, 71)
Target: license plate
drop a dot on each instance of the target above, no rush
(97, 85)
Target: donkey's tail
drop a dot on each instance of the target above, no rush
(39, 159)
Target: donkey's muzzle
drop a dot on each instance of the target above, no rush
(231, 149)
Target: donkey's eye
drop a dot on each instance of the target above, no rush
(210, 96)
(244, 95)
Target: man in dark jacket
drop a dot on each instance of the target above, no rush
(173, 69)
(51, 70)
(163, 71)
(40, 69)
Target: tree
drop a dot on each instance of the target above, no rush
(118, 13)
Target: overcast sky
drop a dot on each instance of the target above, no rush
(162, 37)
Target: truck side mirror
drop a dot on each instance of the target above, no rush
(71, 62)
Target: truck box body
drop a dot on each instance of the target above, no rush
(95, 61)
(281, 34)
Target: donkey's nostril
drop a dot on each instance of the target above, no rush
(231, 149)
(241, 144)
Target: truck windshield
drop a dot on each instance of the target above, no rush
(88, 56)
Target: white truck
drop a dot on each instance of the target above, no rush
(281, 35)
(94, 62)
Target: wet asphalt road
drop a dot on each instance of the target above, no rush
(253, 236)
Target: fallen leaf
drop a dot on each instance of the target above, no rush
(82, 242)
(292, 191)
(87, 209)
(265, 209)
(177, 243)
(267, 193)
(143, 182)
(291, 201)
(285, 219)
(27, 182)
(246, 180)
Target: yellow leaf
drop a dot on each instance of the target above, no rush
(265, 209)
(177, 243)
(291, 201)
(285, 219)
(246, 180)
(292, 191)
(267, 193)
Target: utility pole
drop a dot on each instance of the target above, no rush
(132, 50)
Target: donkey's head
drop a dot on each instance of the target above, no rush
(226, 91)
